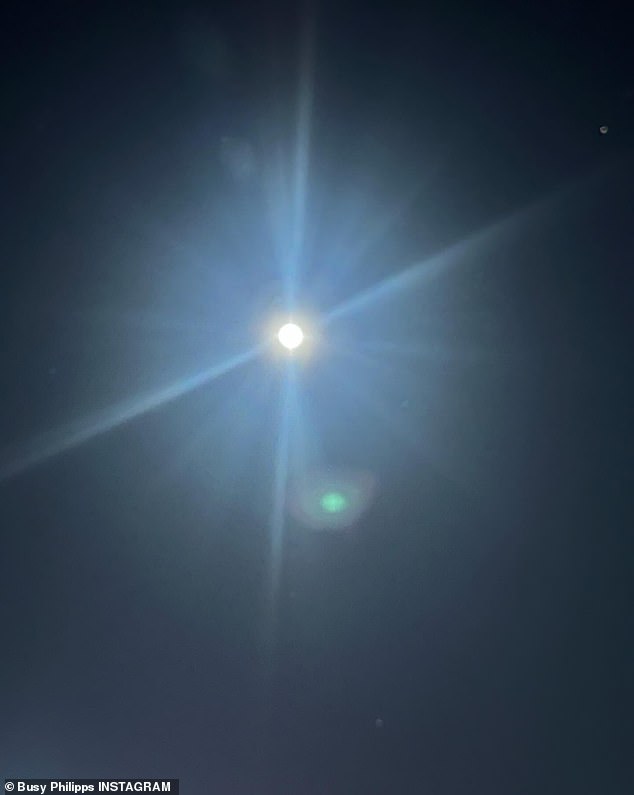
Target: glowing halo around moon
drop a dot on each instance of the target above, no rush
(295, 336)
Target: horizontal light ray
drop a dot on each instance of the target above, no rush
(59, 440)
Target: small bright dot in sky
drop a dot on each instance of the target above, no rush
(290, 336)
(603, 129)
(333, 502)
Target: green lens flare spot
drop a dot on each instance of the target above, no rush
(330, 498)
(333, 502)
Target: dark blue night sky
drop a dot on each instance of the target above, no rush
(430, 190)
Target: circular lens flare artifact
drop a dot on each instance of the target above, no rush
(330, 498)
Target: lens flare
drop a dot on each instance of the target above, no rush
(331, 499)
(333, 502)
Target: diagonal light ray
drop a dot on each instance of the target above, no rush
(374, 352)
(351, 250)
(424, 271)
(416, 274)
(82, 430)
(352, 255)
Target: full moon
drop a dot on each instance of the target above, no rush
(290, 336)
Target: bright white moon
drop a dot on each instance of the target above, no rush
(290, 336)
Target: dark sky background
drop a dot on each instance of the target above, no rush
(481, 607)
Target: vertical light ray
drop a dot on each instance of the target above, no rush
(273, 573)
(302, 153)
(277, 523)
